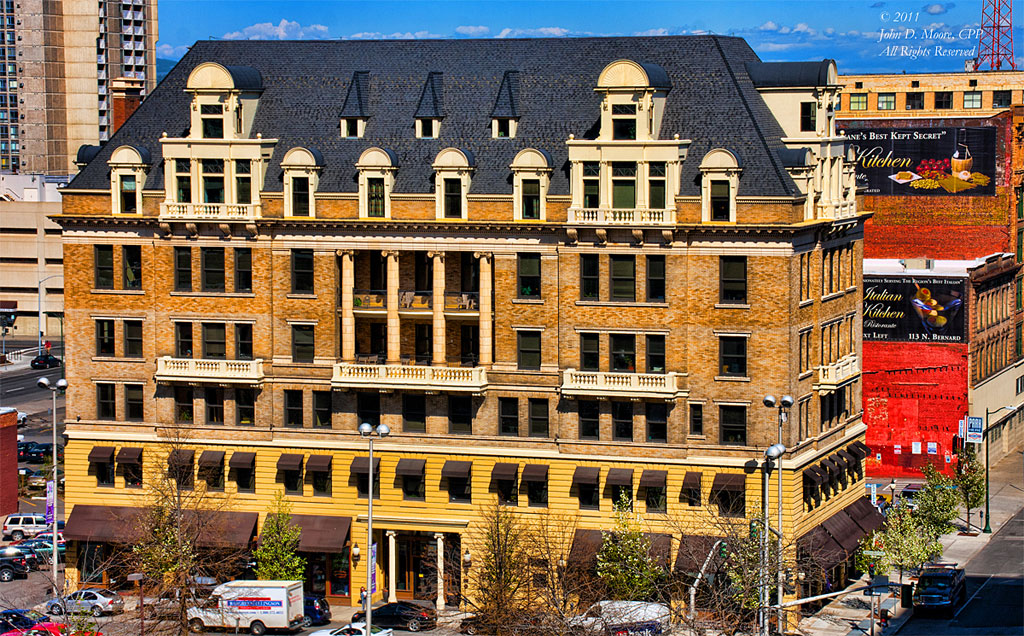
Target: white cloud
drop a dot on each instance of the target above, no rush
(397, 35)
(784, 30)
(542, 32)
(803, 28)
(167, 51)
(285, 30)
(937, 8)
(472, 31)
(768, 26)
(773, 47)
(652, 32)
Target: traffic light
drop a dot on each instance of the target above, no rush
(754, 530)
(723, 549)
(871, 570)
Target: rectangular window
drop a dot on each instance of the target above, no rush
(655, 279)
(590, 277)
(212, 268)
(104, 474)
(453, 198)
(943, 100)
(656, 185)
(303, 349)
(293, 408)
(623, 350)
(657, 422)
(350, 127)
(529, 275)
(460, 415)
(413, 488)
(591, 184)
(104, 266)
(624, 121)
(213, 120)
(302, 272)
(245, 479)
(133, 403)
(183, 269)
(243, 269)
(538, 417)
(243, 341)
(321, 480)
(426, 128)
(375, 197)
(859, 101)
(622, 421)
(531, 198)
(414, 413)
(292, 480)
(731, 503)
(214, 398)
(183, 180)
(213, 475)
(105, 401)
(656, 499)
(245, 407)
(183, 404)
(131, 259)
(243, 181)
(697, 419)
(537, 493)
(915, 101)
(656, 354)
(732, 355)
(732, 277)
(183, 340)
(322, 409)
(368, 408)
(808, 116)
(104, 337)
(133, 338)
(1001, 99)
(503, 126)
(886, 101)
(590, 419)
(623, 185)
(132, 475)
(590, 352)
(213, 180)
(506, 491)
(460, 490)
(508, 416)
(972, 99)
(214, 340)
(128, 195)
(589, 496)
(300, 196)
(732, 425)
(720, 205)
(623, 278)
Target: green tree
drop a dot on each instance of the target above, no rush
(905, 543)
(938, 503)
(970, 481)
(624, 562)
(276, 558)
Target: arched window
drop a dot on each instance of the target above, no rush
(452, 177)
(531, 174)
(720, 181)
(301, 177)
(128, 166)
(377, 169)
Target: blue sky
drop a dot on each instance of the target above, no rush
(863, 36)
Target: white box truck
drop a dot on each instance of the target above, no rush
(253, 606)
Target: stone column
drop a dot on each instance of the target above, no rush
(348, 318)
(394, 338)
(392, 567)
(486, 324)
(439, 358)
(439, 536)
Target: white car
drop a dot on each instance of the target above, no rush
(354, 629)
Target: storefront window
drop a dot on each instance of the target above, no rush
(91, 562)
(339, 574)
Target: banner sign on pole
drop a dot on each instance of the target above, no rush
(373, 569)
(963, 431)
(51, 497)
(874, 494)
(975, 429)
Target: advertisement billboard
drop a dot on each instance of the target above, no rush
(925, 161)
(914, 309)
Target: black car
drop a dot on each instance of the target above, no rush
(45, 361)
(41, 453)
(24, 448)
(32, 559)
(401, 615)
(13, 567)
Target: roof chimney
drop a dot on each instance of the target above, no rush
(126, 95)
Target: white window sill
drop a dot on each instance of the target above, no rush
(731, 306)
(731, 378)
(131, 292)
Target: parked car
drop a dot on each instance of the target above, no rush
(13, 567)
(45, 361)
(908, 496)
(23, 449)
(21, 526)
(940, 587)
(94, 601)
(31, 558)
(42, 453)
(525, 624)
(24, 620)
(316, 611)
(618, 616)
(44, 548)
(355, 629)
(402, 614)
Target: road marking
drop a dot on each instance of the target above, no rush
(962, 607)
(17, 388)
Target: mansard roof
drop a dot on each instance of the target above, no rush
(356, 98)
(306, 84)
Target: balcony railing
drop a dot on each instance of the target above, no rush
(461, 301)
(839, 373)
(599, 383)
(369, 299)
(210, 211)
(408, 299)
(837, 210)
(628, 216)
(398, 376)
(170, 369)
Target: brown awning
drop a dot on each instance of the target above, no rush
(322, 533)
(180, 457)
(223, 529)
(585, 546)
(126, 525)
(851, 461)
(865, 515)
(839, 461)
(819, 549)
(660, 549)
(129, 455)
(830, 468)
(101, 455)
(586, 475)
(653, 478)
(692, 480)
(211, 458)
(456, 469)
(361, 465)
(735, 482)
(620, 477)
(859, 449)
(290, 461)
(535, 472)
(411, 467)
(242, 460)
(815, 475)
(319, 464)
(693, 551)
(842, 528)
(504, 471)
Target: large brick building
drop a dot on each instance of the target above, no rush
(557, 283)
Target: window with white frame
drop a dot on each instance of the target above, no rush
(377, 169)
(452, 177)
(301, 176)
(720, 177)
(503, 127)
(128, 165)
(428, 128)
(353, 127)
(531, 173)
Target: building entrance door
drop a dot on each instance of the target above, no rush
(415, 572)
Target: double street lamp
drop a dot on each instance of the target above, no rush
(783, 405)
(988, 413)
(369, 431)
(54, 388)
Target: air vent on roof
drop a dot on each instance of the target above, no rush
(915, 84)
(974, 82)
(858, 84)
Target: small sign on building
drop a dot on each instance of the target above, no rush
(975, 429)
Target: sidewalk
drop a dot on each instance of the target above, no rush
(849, 615)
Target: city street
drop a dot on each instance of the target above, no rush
(19, 386)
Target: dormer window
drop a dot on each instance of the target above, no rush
(624, 121)
(128, 166)
(353, 127)
(720, 201)
(128, 189)
(452, 169)
(428, 128)
(377, 169)
(224, 100)
(531, 175)
(300, 196)
(213, 120)
(301, 177)
(720, 181)
(808, 116)
(453, 199)
(503, 128)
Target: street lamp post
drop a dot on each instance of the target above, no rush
(39, 307)
(59, 385)
(988, 413)
(368, 431)
(783, 406)
(771, 454)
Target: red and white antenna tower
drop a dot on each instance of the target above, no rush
(995, 46)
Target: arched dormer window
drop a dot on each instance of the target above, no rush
(452, 177)
(224, 100)
(301, 177)
(128, 167)
(531, 174)
(377, 169)
(719, 182)
(633, 100)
